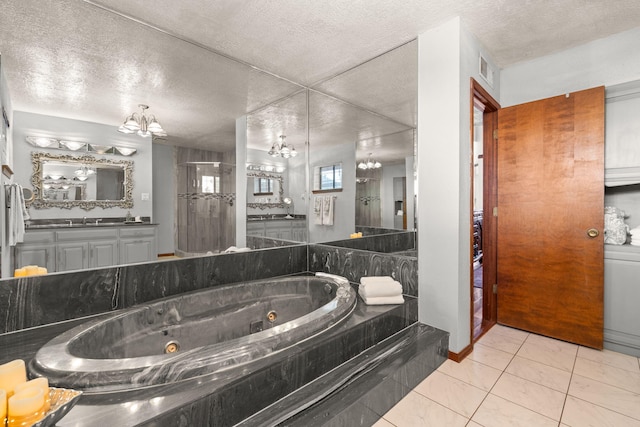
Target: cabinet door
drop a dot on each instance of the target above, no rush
(72, 256)
(103, 253)
(137, 250)
(41, 255)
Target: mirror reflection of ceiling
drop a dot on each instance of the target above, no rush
(200, 64)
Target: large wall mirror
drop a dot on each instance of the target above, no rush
(65, 181)
(198, 96)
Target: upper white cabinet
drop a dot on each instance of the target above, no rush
(622, 131)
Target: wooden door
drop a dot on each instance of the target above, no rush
(550, 194)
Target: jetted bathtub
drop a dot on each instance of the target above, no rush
(193, 334)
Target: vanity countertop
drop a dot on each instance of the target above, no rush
(65, 223)
(276, 217)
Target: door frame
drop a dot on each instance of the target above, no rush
(480, 97)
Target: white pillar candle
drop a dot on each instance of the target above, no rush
(12, 374)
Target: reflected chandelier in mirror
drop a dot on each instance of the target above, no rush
(63, 181)
(279, 203)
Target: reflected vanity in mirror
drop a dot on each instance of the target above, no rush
(64, 181)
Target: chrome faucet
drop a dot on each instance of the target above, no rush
(84, 220)
(70, 222)
(98, 220)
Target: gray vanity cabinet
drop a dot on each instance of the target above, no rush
(103, 253)
(38, 248)
(286, 229)
(137, 244)
(87, 247)
(72, 256)
(76, 248)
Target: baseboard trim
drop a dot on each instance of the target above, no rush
(459, 357)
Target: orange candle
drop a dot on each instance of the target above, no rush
(32, 270)
(3, 406)
(26, 407)
(41, 383)
(19, 272)
(12, 374)
(42, 270)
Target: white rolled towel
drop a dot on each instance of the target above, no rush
(398, 299)
(386, 289)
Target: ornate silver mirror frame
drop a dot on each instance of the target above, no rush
(280, 202)
(39, 202)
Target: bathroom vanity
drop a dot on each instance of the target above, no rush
(278, 227)
(81, 246)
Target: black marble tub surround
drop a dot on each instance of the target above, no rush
(31, 301)
(355, 264)
(360, 391)
(259, 242)
(373, 231)
(208, 331)
(225, 398)
(385, 243)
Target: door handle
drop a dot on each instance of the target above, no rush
(593, 233)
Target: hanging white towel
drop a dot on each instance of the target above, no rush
(317, 209)
(327, 210)
(16, 214)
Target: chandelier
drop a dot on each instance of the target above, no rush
(369, 163)
(141, 124)
(280, 149)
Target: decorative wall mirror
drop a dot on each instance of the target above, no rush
(260, 199)
(63, 181)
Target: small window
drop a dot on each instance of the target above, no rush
(331, 177)
(262, 186)
(210, 184)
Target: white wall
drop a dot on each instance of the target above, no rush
(164, 196)
(26, 124)
(345, 205)
(447, 59)
(387, 199)
(6, 158)
(608, 61)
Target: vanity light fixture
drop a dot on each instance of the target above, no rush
(125, 151)
(43, 142)
(73, 145)
(369, 163)
(142, 125)
(281, 149)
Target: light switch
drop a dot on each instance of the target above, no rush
(145, 196)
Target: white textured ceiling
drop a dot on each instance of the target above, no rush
(200, 64)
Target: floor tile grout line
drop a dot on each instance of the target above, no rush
(604, 407)
(607, 384)
(566, 395)
(494, 384)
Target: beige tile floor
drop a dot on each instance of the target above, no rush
(514, 378)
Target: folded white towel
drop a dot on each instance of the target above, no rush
(384, 300)
(339, 279)
(374, 290)
(376, 279)
(232, 249)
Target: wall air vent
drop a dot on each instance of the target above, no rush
(486, 71)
